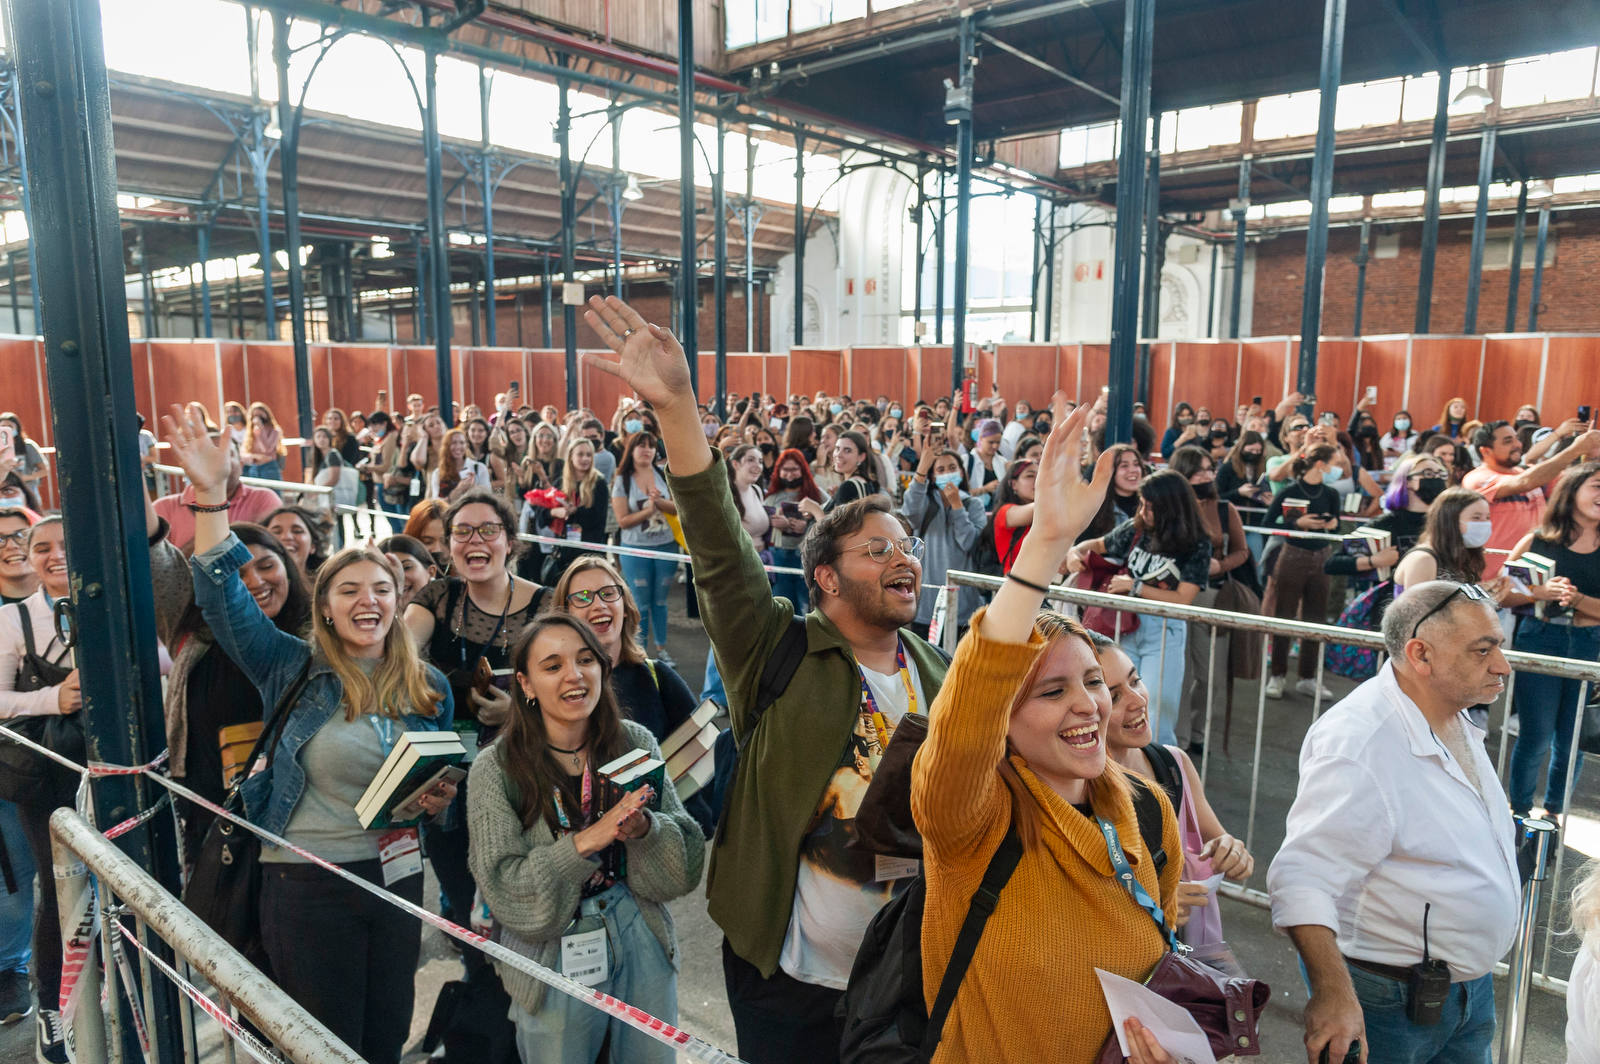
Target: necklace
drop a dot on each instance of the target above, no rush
(577, 761)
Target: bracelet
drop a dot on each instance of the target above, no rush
(199, 508)
(1029, 584)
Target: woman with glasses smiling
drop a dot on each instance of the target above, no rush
(461, 623)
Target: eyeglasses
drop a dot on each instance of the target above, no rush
(1298, 427)
(486, 531)
(19, 537)
(581, 599)
(880, 548)
(1471, 591)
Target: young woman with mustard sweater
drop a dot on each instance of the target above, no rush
(1018, 735)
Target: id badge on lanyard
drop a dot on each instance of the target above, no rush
(586, 951)
(400, 852)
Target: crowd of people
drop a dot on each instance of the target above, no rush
(822, 528)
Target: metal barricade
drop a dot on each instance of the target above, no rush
(282, 487)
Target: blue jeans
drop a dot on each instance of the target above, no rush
(1546, 708)
(568, 1031)
(712, 687)
(650, 580)
(1163, 677)
(272, 470)
(1463, 1035)
(16, 908)
(790, 587)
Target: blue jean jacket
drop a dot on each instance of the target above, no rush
(272, 659)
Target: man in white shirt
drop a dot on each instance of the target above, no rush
(1400, 845)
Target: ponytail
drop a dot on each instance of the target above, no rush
(1303, 461)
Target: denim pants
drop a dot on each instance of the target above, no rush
(1463, 1035)
(786, 585)
(16, 906)
(1162, 675)
(568, 1031)
(272, 470)
(1546, 709)
(712, 686)
(650, 580)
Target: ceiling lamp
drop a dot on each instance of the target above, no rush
(633, 191)
(1473, 96)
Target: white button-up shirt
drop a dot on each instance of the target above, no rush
(1385, 822)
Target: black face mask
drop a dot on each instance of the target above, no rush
(789, 481)
(1208, 490)
(1251, 456)
(1520, 425)
(1430, 488)
(1041, 427)
(767, 448)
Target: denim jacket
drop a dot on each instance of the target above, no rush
(272, 660)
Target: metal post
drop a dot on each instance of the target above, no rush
(1150, 313)
(1430, 210)
(748, 224)
(1239, 210)
(147, 289)
(919, 206)
(799, 237)
(548, 297)
(1033, 271)
(1363, 254)
(236, 305)
(1050, 277)
(719, 256)
(1138, 36)
(1211, 293)
(202, 243)
(1480, 227)
(1517, 235)
(1321, 191)
(963, 115)
(616, 185)
(289, 179)
(689, 319)
(258, 169)
(194, 302)
(11, 288)
(938, 266)
(486, 187)
(474, 277)
(1521, 974)
(419, 296)
(1537, 287)
(438, 243)
(569, 194)
(65, 110)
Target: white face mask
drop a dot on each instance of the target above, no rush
(1476, 533)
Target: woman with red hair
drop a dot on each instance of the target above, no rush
(791, 482)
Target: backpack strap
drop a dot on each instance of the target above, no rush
(995, 877)
(781, 666)
(1166, 772)
(1147, 807)
(650, 663)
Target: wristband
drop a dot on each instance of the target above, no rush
(199, 508)
(1029, 584)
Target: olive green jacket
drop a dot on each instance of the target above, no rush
(799, 741)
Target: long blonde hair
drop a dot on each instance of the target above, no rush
(1586, 907)
(1109, 789)
(399, 685)
(571, 487)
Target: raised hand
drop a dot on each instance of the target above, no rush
(653, 363)
(1065, 504)
(204, 460)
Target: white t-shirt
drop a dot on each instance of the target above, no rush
(837, 892)
(1583, 1007)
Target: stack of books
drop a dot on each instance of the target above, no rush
(688, 750)
(628, 773)
(1530, 571)
(1369, 542)
(419, 762)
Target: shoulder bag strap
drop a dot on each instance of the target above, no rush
(995, 877)
(1124, 873)
(779, 670)
(273, 729)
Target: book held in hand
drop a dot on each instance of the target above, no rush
(628, 773)
(419, 762)
(1294, 509)
(688, 749)
(1369, 542)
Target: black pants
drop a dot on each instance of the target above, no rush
(347, 957)
(46, 914)
(446, 849)
(781, 1020)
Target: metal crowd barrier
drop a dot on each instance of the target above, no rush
(1586, 672)
(282, 487)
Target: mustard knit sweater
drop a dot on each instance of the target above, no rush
(1031, 994)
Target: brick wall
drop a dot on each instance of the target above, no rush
(1567, 302)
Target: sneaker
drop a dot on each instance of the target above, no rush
(1311, 689)
(666, 659)
(1275, 687)
(15, 1001)
(51, 1047)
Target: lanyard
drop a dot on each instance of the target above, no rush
(1119, 865)
(869, 704)
(588, 802)
(384, 726)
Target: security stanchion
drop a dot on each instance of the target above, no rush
(1542, 832)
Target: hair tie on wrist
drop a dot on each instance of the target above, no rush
(1028, 584)
(200, 508)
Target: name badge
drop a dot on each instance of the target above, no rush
(892, 868)
(584, 956)
(574, 534)
(401, 854)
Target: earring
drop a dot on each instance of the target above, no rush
(327, 620)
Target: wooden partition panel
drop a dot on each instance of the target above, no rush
(357, 372)
(1265, 370)
(186, 371)
(1512, 368)
(874, 371)
(599, 390)
(1383, 366)
(1571, 379)
(546, 378)
(231, 353)
(1096, 371)
(776, 374)
(1068, 365)
(1163, 388)
(1336, 375)
(814, 369)
(933, 368)
(139, 351)
(1027, 371)
(414, 372)
(488, 371)
(1205, 373)
(746, 374)
(1443, 367)
(986, 373)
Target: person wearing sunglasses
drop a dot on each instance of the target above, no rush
(1400, 848)
(472, 616)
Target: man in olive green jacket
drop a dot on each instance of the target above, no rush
(790, 894)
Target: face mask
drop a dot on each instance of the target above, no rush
(1477, 533)
(1185, 420)
(947, 480)
(790, 481)
(883, 404)
(1333, 476)
(12, 502)
(1430, 488)
(835, 409)
(1041, 427)
(711, 429)
(1251, 456)
(632, 425)
(767, 448)
(894, 411)
(1524, 423)
(775, 424)
(1207, 490)
(974, 435)
(1402, 424)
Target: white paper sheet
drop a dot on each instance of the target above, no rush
(1174, 1028)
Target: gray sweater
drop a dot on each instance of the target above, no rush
(533, 881)
(950, 535)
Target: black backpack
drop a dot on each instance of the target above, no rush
(885, 1018)
(986, 553)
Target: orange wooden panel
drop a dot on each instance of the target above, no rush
(874, 371)
(985, 372)
(1205, 373)
(416, 367)
(1336, 375)
(813, 370)
(933, 369)
(185, 371)
(358, 372)
(488, 371)
(1067, 365)
(233, 384)
(776, 374)
(1442, 367)
(597, 389)
(1511, 376)
(1571, 378)
(1383, 366)
(1027, 372)
(139, 353)
(1261, 370)
(1162, 397)
(319, 357)
(546, 381)
(269, 378)
(1096, 371)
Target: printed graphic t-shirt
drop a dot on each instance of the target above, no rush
(1159, 570)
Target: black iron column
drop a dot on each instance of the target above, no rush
(1363, 255)
(289, 179)
(547, 298)
(1239, 211)
(938, 266)
(258, 168)
(147, 288)
(959, 111)
(1517, 236)
(486, 187)
(65, 109)
(1211, 292)
(1138, 37)
(719, 255)
(1536, 289)
(750, 214)
(689, 231)
(1154, 257)
(1430, 210)
(1321, 191)
(1033, 271)
(438, 242)
(202, 247)
(918, 207)
(799, 237)
(569, 194)
(1480, 227)
(419, 294)
(1050, 277)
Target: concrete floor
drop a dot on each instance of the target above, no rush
(703, 1006)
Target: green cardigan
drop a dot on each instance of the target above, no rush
(801, 739)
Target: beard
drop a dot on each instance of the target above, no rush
(872, 604)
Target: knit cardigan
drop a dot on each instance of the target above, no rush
(533, 881)
(1031, 992)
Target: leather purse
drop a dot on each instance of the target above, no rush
(27, 777)
(1096, 576)
(224, 888)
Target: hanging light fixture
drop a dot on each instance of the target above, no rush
(1473, 96)
(633, 191)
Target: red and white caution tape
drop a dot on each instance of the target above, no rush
(132, 822)
(130, 987)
